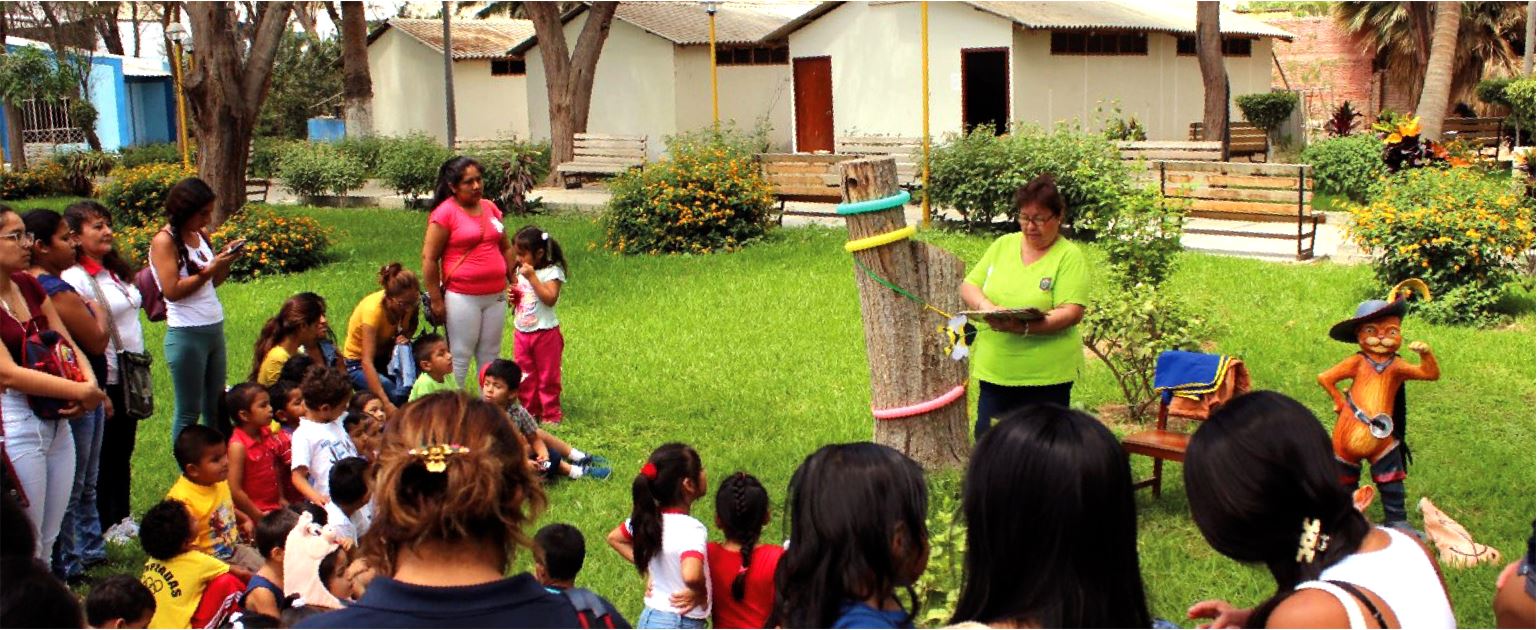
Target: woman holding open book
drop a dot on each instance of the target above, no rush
(1037, 283)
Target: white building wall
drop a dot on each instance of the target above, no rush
(408, 86)
(633, 88)
(487, 106)
(877, 79)
(1161, 89)
(748, 94)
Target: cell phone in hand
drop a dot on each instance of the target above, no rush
(235, 247)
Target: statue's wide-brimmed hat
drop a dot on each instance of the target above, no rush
(1367, 311)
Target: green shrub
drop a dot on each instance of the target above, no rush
(977, 173)
(82, 167)
(1492, 91)
(939, 588)
(47, 178)
(136, 195)
(708, 196)
(366, 149)
(163, 153)
(1521, 94)
(266, 152)
(277, 242)
(1350, 166)
(1132, 319)
(409, 164)
(317, 168)
(1267, 110)
(496, 159)
(1461, 231)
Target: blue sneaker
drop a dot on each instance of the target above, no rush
(598, 472)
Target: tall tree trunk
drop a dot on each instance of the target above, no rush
(225, 90)
(1531, 37)
(1437, 94)
(448, 74)
(568, 76)
(1208, 48)
(138, 39)
(105, 17)
(13, 139)
(357, 85)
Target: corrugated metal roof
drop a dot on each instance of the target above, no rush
(1168, 16)
(473, 39)
(735, 22)
(132, 66)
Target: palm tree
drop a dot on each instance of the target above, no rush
(1438, 70)
(1398, 34)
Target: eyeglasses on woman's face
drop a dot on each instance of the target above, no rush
(20, 237)
(1037, 220)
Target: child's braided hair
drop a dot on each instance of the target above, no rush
(741, 508)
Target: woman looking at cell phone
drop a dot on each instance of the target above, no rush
(186, 269)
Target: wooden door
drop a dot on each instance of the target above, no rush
(814, 104)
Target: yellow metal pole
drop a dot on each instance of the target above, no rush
(923, 9)
(714, 83)
(181, 108)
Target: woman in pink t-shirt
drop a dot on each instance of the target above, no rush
(467, 265)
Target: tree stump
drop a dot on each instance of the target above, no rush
(904, 341)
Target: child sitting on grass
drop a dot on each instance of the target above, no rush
(190, 587)
(321, 441)
(559, 551)
(364, 423)
(264, 592)
(348, 512)
(120, 601)
(287, 402)
(254, 452)
(552, 456)
(203, 456)
(436, 365)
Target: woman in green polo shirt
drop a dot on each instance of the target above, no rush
(1015, 362)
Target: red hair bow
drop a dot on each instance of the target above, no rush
(648, 471)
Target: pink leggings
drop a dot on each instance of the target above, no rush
(538, 355)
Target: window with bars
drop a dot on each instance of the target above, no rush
(1091, 43)
(1231, 46)
(752, 55)
(48, 122)
(508, 66)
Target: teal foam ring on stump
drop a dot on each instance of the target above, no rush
(875, 205)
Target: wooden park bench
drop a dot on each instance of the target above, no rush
(1243, 139)
(256, 188)
(1236, 191)
(803, 177)
(906, 151)
(1480, 134)
(600, 155)
(1141, 156)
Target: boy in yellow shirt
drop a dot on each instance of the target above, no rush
(190, 587)
(203, 456)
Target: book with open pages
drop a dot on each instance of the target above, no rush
(1022, 314)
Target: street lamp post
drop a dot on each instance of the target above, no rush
(711, 8)
(180, 37)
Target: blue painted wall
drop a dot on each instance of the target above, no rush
(151, 111)
(130, 111)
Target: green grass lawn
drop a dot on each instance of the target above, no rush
(757, 358)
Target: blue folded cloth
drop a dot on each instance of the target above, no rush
(1188, 373)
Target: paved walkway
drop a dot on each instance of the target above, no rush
(1331, 244)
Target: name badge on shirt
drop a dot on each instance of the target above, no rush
(1045, 284)
(496, 223)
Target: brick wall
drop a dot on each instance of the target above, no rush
(1327, 63)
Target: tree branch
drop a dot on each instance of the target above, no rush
(258, 67)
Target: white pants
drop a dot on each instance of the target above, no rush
(474, 326)
(43, 453)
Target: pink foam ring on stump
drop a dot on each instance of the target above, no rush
(920, 408)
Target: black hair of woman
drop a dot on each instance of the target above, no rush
(188, 198)
(1051, 525)
(1259, 468)
(450, 175)
(532, 239)
(657, 487)
(741, 511)
(858, 523)
(80, 213)
(298, 312)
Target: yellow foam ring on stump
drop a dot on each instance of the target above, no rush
(879, 239)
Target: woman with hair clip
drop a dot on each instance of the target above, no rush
(381, 321)
(454, 492)
(1051, 526)
(301, 322)
(40, 453)
(467, 264)
(100, 271)
(186, 270)
(1264, 488)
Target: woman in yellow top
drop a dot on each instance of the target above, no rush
(381, 320)
(300, 323)
(1014, 361)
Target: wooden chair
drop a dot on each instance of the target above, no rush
(1194, 401)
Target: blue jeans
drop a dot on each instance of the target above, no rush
(80, 540)
(397, 391)
(652, 618)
